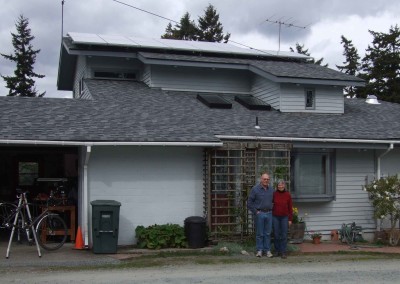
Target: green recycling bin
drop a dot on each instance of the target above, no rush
(105, 225)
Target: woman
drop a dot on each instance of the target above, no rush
(282, 217)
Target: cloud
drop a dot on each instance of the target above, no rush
(326, 21)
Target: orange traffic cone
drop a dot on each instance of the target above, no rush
(79, 240)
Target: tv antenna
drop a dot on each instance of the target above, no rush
(286, 23)
(62, 19)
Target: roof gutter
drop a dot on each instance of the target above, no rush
(81, 143)
(302, 139)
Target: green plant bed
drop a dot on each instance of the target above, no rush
(161, 236)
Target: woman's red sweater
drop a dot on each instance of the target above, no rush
(282, 204)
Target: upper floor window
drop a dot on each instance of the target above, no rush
(123, 75)
(310, 98)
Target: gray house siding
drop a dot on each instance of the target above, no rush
(352, 203)
(327, 99)
(155, 185)
(390, 164)
(146, 75)
(200, 79)
(266, 90)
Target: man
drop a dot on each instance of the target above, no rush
(260, 204)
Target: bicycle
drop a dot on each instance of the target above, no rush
(350, 233)
(48, 228)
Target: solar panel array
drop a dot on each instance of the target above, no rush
(170, 44)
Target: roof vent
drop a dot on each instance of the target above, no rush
(373, 100)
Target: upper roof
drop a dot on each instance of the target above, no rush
(281, 67)
(127, 111)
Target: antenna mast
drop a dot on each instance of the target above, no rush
(287, 24)
(62, 19)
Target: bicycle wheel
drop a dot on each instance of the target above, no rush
(7, 212)
(51, 232)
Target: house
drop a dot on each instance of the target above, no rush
(173, 129)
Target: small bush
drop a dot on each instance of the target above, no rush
(161, 236)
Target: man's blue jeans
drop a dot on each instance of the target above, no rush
(280, 233)
(263, 231)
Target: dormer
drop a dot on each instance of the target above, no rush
(285, 80)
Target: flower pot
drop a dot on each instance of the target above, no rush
(316, 240)
(296, 233)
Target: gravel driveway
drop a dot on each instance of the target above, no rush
(312, 270)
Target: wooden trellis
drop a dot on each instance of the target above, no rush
(229, 174)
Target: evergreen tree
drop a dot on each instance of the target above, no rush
(300, 49)
(22, 84)
(210, 28)
(169, 32)
(381, 66)
(351, 65)
(185, 30)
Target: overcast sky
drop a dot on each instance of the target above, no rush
(325, 22)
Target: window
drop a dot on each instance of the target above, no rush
(313, 175)
(115, 75)
(310, 99)
(27, 173)
(80, 91)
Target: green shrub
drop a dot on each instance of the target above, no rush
(161, 236)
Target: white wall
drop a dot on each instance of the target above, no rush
(156, 185)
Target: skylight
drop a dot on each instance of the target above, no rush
(252, 103)
(214, 101)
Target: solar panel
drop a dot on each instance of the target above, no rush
(214, 101)
(117, 40)
(86, 38)
(252, 103)
(226, 48)
(148, 42)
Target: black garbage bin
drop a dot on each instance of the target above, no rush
(195, 231)
(105, 225)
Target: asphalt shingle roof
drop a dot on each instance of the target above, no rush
(278, 68)
(126, 111)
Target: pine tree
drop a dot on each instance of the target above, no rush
(22, 84)
(210, 28)
(351, 65)
(169, 32)
(381, 66)
(185, 30)
(300, 49)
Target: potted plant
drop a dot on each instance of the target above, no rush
(316, 237)
(297, 229)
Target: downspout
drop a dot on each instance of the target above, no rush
(86, 195)
(378, 176)
(378, 170)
